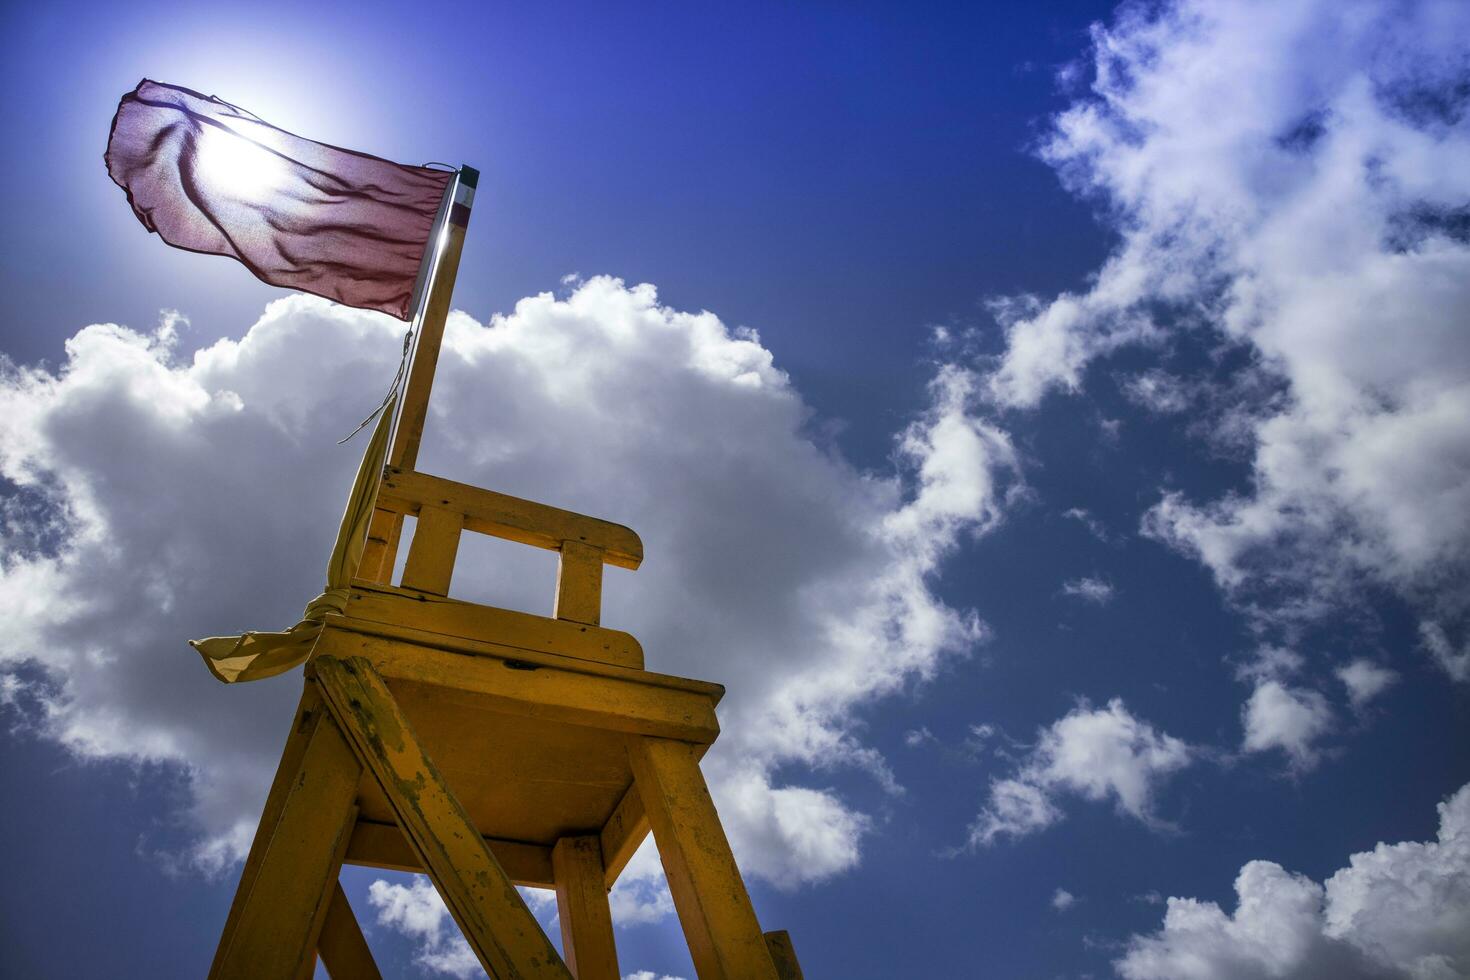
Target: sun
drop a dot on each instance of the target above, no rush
(237, 164)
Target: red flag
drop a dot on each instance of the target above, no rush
(209, 177)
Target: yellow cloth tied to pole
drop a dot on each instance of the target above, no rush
(253, 656)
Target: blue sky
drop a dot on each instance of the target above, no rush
(1077, 397)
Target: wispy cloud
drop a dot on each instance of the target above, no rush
(1090, 589)
(1095, 753)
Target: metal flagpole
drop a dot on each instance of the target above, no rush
(434, 290)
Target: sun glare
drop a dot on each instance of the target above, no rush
(238, 164)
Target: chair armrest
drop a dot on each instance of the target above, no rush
(511, 518)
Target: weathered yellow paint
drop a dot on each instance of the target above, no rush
(581, 903)
(430, 562)
(512, 518)
(714, 908)
(382, 845)
(342, 947)
(784, 955)
(579, 583)
(273, 928)
(482, 899)
(502, 627)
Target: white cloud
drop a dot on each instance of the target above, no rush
(1089, 589)
(417, 911)
(1157, 391)
(199, 495)
(1287, 180)
(1292, 719)
(1094, 526)
(1096, 753)
(1455, 663)
(913, 738)
(1061, 900)
(641, 894)
(1365, 680)
(648, 975)
(1271, 662)
(1397, 911)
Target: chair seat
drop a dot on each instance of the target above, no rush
(531, 743)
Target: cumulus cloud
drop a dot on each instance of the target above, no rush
(1313, 221)
(181, 495)
(1096, 753)
(1061, 900)
(1091, 589)
(1397, 911)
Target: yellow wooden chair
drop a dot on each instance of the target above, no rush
(485, 747)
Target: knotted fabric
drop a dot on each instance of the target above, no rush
(252, 656)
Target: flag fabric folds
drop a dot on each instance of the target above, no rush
(210, 177)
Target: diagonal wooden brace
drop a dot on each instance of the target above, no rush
(342, 947)
(496, 923)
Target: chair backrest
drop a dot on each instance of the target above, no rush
(444, 508)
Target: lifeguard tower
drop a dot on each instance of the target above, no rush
(485, 747)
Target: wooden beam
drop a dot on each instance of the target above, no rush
(272, 933)
(784, 955)
(381, 549)
(495, 921)
(342, 947)
(505, 627)
(581, 903)
(307, 969)
(512, 518)
(414, 409)
(308, 711)
(714, 908)
(621, 836)
(382, 845)
(430, 564)
(516, 682)
(579, 583)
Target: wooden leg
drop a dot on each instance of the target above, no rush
(719, 923)
(272, 930)
(779, 943)
(496, 923)
(343, 949)
(581, 902)
(290, 761)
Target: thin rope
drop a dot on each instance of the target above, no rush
(446, 166)
(392, 389)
